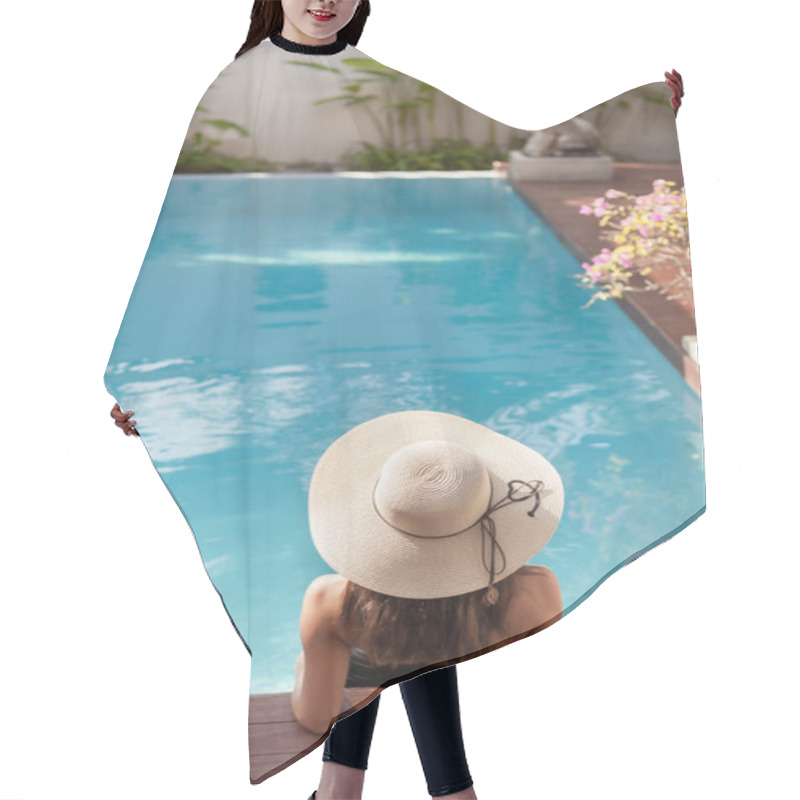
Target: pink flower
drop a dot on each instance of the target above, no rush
(591, 271)
(600, 207)
(645, 231)
(612, 193)
(656, 218)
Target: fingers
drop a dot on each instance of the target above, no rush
(126, 425)
(675, 82)
(122, 419)
(129, 428)
(118, 413)
(676, 87)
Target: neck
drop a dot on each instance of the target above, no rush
(294, 33)
(327, 46)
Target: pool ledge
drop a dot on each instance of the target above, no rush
(664, 322)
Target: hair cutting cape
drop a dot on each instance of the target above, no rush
(344, 244)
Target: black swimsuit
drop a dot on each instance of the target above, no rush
(363, 672)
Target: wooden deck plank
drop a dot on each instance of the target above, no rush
(272, 708)
(275, 736)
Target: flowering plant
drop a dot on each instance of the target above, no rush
(649, 232)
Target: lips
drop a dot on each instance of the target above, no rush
(321, 15)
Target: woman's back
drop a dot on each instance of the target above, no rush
(536, 600)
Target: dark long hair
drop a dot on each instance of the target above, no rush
(399, 630)
(266, 18)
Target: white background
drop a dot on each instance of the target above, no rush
(121, 676)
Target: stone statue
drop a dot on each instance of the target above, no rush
(575, 137)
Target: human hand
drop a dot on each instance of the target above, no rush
(123, 420)
(675, 82)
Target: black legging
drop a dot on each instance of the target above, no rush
(432, 706)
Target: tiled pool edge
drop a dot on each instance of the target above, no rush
(663, 321)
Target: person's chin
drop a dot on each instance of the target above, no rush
(320, 32)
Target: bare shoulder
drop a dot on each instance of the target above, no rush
(542, 582)
(538, 600)
(326, 591)
(535, 569)
(323, 600)
(327, 582)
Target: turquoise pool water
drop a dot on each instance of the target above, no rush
(441, 293)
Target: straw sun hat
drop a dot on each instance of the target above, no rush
(423, 504)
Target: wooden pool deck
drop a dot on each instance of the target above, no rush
(277, 738)
(665, 322)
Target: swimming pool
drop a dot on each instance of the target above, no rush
(473, 313)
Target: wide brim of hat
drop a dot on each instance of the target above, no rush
(357, 543)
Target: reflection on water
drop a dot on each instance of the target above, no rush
(244, 356)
